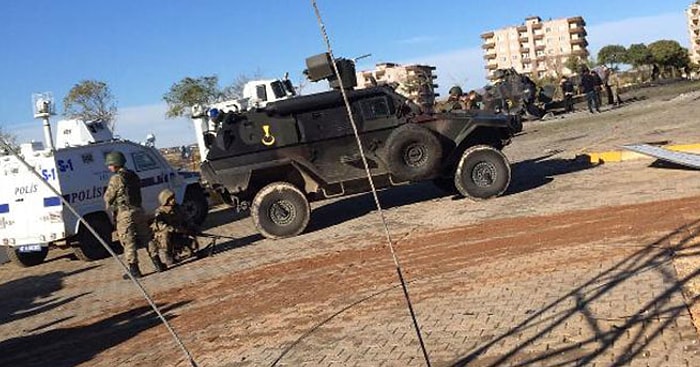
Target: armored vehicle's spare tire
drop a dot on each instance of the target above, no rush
(483, 173)
(195, 205)
(413, 153)
(280, 210)
(26, 259)
(88, 247)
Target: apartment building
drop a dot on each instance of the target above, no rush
(416, 82)
(693, 14)
(536, 48)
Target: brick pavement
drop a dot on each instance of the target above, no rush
(621, 310)
(543, 308)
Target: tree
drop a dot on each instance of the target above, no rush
(235, 89)
(203, 90)
(612, 55)
(669, 54)
(189, 92)
(639, 55)
(90, 100)
(574, 64)
(7, 138)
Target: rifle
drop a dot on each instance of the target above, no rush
(214, 238)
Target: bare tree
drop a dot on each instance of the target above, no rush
(7, 138)
(91, 100)
(235, 89)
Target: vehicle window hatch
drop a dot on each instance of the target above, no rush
(144, 161)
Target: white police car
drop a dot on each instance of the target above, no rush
(32, 217)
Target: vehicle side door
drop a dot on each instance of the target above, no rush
(154, 177)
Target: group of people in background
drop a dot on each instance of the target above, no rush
(592, 84)
(517, 89)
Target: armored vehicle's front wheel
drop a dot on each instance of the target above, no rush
(280, 210)
(27, 259)
(483, 173)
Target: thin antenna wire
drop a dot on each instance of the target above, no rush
(66, 204)
(394, 256)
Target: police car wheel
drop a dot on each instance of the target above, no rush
(88, 247)
(195, 205)
(280, 210)
(483, 173)
(26, 259)
(413, 153)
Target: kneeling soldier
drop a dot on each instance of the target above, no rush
(169, 226)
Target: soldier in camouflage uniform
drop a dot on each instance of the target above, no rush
(169, 226)
(123, 197)
(454, 101)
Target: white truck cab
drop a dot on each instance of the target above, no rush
(32, 217)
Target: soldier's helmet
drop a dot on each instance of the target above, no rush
(115, 158)
(455, 91)
(165, 196)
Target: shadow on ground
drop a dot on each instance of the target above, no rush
(33, 295)
(75, 345)
(634, 332)
(533, 173)
(352, 207)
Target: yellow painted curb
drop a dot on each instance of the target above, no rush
(626, 155)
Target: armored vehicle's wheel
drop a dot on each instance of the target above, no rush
(27, 259)
(280, 210)
(88, 247)
(483, 173)
(413, 153)
(195, 205)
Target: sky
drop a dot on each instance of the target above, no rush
(140, 48)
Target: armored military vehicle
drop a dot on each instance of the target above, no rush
(302, 148)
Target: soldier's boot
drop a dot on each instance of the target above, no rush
(165, 255)
(160, 267)
(134, 271)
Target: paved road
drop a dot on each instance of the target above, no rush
(576, 265)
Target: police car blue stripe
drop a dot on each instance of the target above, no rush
(52, 201)
(4, 208)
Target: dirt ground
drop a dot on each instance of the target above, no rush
(492, 282)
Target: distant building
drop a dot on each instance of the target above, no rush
(415, 82)
(536, 48)
(693, 14)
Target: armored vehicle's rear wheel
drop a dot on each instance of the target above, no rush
(280, 210)
(27, 259)
(88, 247)
(483, 173)
(413, 153)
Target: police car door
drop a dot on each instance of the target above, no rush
(153, 177)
